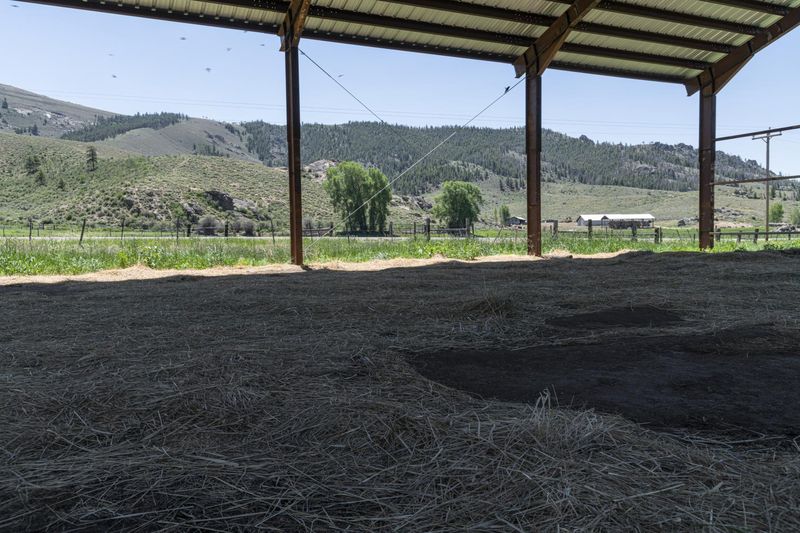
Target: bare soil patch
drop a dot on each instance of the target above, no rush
(735, 382)
(281, 399)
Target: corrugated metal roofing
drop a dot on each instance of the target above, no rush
(673, 41)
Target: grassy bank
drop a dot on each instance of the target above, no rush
(21, 257)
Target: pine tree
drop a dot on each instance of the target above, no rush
(91, 159)
(4, 105)
(35, 130)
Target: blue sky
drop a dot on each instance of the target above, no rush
(73, 55)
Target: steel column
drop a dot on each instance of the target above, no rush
(533, 149)
(293, 138)
(708, 154)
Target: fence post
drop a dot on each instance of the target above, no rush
(555, 229)
(83, 229)
(30, 229)
(122, 233)
(427, 229)
(738, 237)
(590, 229)
(226, 228)
(188, 229)
(415, 230)
(655, 236)
(755, 236)
(391, 229)
(177, 229)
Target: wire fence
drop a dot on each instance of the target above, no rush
(424, 229)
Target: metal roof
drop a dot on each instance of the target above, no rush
(700, 43)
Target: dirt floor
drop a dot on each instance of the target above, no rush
(282, 399)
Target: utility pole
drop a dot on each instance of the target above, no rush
(767, 137)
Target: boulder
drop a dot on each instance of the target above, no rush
(223, 200)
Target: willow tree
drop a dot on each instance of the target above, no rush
(458, 204)
(359, 196)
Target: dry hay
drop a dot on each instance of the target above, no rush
(284, 402)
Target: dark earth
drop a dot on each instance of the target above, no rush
(738, 381)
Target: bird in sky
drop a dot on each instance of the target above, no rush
(508, 89)
(229, 49)
(114, 76)
(183, 38)
(208, 69)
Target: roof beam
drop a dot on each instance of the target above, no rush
(541, 53)
(715, 77)
(496, 38)
(533, 19)
(293, 23)
(655, 13)
(753, 5)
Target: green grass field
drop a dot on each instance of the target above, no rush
(65, 256)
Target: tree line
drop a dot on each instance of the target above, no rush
(477, 154)
(109, 127)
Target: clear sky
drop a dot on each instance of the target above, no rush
(74, 55)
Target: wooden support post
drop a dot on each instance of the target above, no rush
(415, 231)
(427, 229)
(226, 228)
(177, 229)
(293, 138)
(755, 236)
(590, 229)
(708, 132)
(83, 229)
(533, 147)
(30, 229)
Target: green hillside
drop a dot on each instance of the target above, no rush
(144, 190)
(176, 166)
(478, 154)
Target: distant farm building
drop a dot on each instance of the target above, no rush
(516, 221)
(615, 221)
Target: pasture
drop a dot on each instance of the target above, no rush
(104, 249)
(283, 399)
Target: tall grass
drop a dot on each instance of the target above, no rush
(21, 257)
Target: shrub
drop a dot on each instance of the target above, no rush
(207, 226)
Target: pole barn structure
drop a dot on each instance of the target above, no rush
(700, 44)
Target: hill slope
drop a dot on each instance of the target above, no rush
(51, 117)
(477, 154)
(144, 190)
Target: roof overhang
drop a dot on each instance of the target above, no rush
(698, 43)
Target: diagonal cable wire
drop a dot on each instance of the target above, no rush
(357, 99)
(415, 163)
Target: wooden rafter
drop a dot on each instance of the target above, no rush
(715, 77)
(541, 53)
(292, 27)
